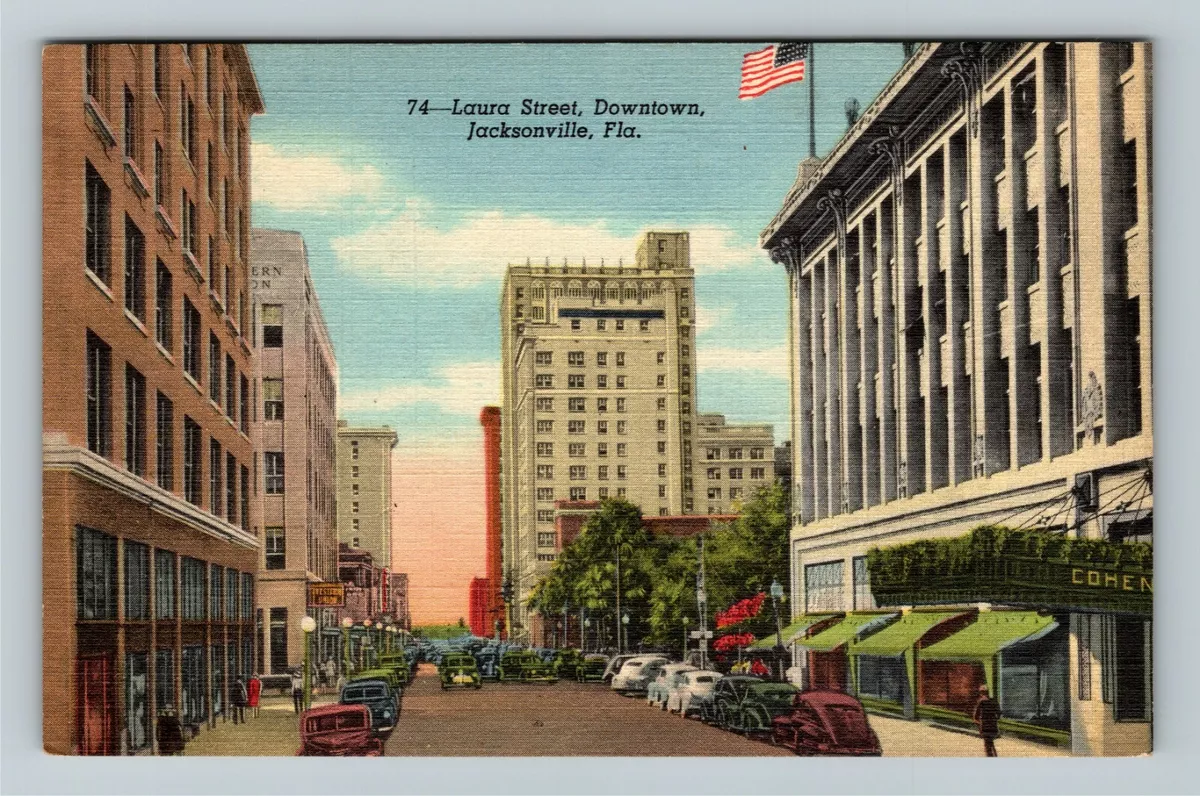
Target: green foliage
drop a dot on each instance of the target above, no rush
(439, 631)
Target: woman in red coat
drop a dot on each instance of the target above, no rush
(253, 692)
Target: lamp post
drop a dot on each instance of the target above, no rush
(308, 625)
(776, 596)
(506, 594)
(362, 648)
(587, 624)
(625, 625)
(686, 621)
(346, 623)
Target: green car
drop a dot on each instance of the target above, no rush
(591, 668)
(393, 679)
(566, 663)
(526, 667)
(458, 670)
(396, 661)
(751, 709)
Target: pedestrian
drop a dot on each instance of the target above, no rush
(297, 690)
(169, 733)
(987, 719)
(253, 694)
(759, 668)
(330, 671)
(239, 697)
(341, 683)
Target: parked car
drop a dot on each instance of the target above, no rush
(660, 686)
(758, 705)
(636, 674)
(729, 689)
(458, 670)
(389, 675)
(398, 662)
(338, 731)
(826, 723)
(592, 668)
(614, 665)
(566, 663)
(525, 666)
(377, 695)
(690, 688)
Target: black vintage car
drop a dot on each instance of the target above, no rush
(525, 666)
(729, 690)
(378, 697)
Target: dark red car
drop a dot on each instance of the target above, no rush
(826, 723)
(338, 731)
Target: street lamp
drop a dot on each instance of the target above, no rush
(308, 625)
(346, 623)
(686, 621)
(362, 648)
(506, 594)
(776, 596)
(625, 624)
(587, 624)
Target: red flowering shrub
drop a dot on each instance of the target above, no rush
(733, 642)
(741, 611)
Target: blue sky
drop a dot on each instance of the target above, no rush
(409, 225)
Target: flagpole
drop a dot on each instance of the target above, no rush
(809, 75)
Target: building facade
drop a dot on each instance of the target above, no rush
(151, 522)
(299, 377)
(970, 326)
(738, 459)
(493, 603)
(599, 394)
(364, 489)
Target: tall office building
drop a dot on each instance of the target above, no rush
(971, 320)
(599, 394)
(364, 489)
(738, 459)
(150, 511)
(299, 415)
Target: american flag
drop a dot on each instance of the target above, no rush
(771, 67)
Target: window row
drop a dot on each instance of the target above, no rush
(734, 453)
(735, 493)
(602, 324)
(736, 473)
(182, 587)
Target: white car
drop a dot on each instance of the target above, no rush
(691, 688)
(632, 677)
(656, 692)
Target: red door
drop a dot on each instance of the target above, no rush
(95, 705)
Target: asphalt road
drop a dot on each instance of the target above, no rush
(564, 718)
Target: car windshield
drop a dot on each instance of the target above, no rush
(364, 693)
(705, 678)
(350, 720)
(849, 724)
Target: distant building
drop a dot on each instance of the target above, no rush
(480, 619)
(364, 489)
(783, 468)
(299, 375)
(493, 604)
(570, 517)
(737, 458)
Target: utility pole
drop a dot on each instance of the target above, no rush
(617, 615)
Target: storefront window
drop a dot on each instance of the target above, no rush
(218, 679)
(863, 599)
(164, 678)
(96, 575)
(137, 713)
(1034, 681)
(192, 573)
(194, 687)
(164, 584)
(882, 677)
(1131, 669)
(137, 582)
(823, 587)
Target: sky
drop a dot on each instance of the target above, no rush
(409, 226)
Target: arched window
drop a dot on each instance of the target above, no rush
(594, 290)
(612, 291)
(556, 290)
(575, 289)
(630, 291)
(539, 290)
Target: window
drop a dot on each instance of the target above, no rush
(216, 583)
(713, 473)
(735, 453)
(97, 244)
(620, 324)
(579, 493)
(576, 325)
(230, 388)
(601, 448)
(601, 325)
(164, 584)
(578, 472)
(354, 471)
(601, 426)
(601, 404)
(546, 538)
(621, 492)
(354, 526)
(575, 359)
(214, 368)
(272, 319)
(354, 450)
(545, 449)
(662, 380)
(823, 587)
(758, 473)
(543, 380)
(620, 359)
(231, 476)
(621, 471)
(622, 426)
(164, 464)
(576, 404)
(577, 449)
(135, 421)
(191, 339)
(662, 426)
(231, 609)
(735, 473)
(192, 575)
(192, 465)
(863, 600)
(602, 472)
(662, 471)
(735, 492)
(662, 446)
(601, 359)
(354, 507)
(273, 467)
(756, 453)
(621, 448)
(620, 386)
(714, 493)
(545, 493)
(131, 131)
(99, 395)
(244, 517)
(545, 426)
(712, 454)
(137, 581)
(214, 477)
(543, 358)
(602, 493)
(96, 575)
(163, 298)
(187, 213)
(662, 404)
(545, 472)
(662, 491)
(247, 609)
(643, 326)
(662, 357)
(244, 405)
(545, 404)
(576, 426)
(187, 123)
(602, 382)
(94, 72)
(574, 381)
(276, 548)
(354, 490)
(137, 704)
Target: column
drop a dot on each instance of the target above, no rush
(833, 449)
(933, 310)
(955, 249)
(820, 465)
(851, 375)
(868, 311)
(886, 337)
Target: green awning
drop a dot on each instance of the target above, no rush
(791, 632)
(900, 636)
(846, 630)
(989, 634)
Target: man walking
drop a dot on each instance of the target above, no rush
(297, 690)
(987, 719)
(239, 698)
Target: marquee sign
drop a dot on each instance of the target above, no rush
(326, 595)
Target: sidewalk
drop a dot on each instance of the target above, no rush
(903, 738)
(273, 733)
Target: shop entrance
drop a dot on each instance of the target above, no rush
(95, 705)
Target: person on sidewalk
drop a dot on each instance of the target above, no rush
(987, 719)
(169, 733)
(239, 698)
(297, 690)
(253, 694)
(330, 671)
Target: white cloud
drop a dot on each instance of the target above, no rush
(412, 247)
(766, 361)
(460, 389)
(709, 316)
(295, 182)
